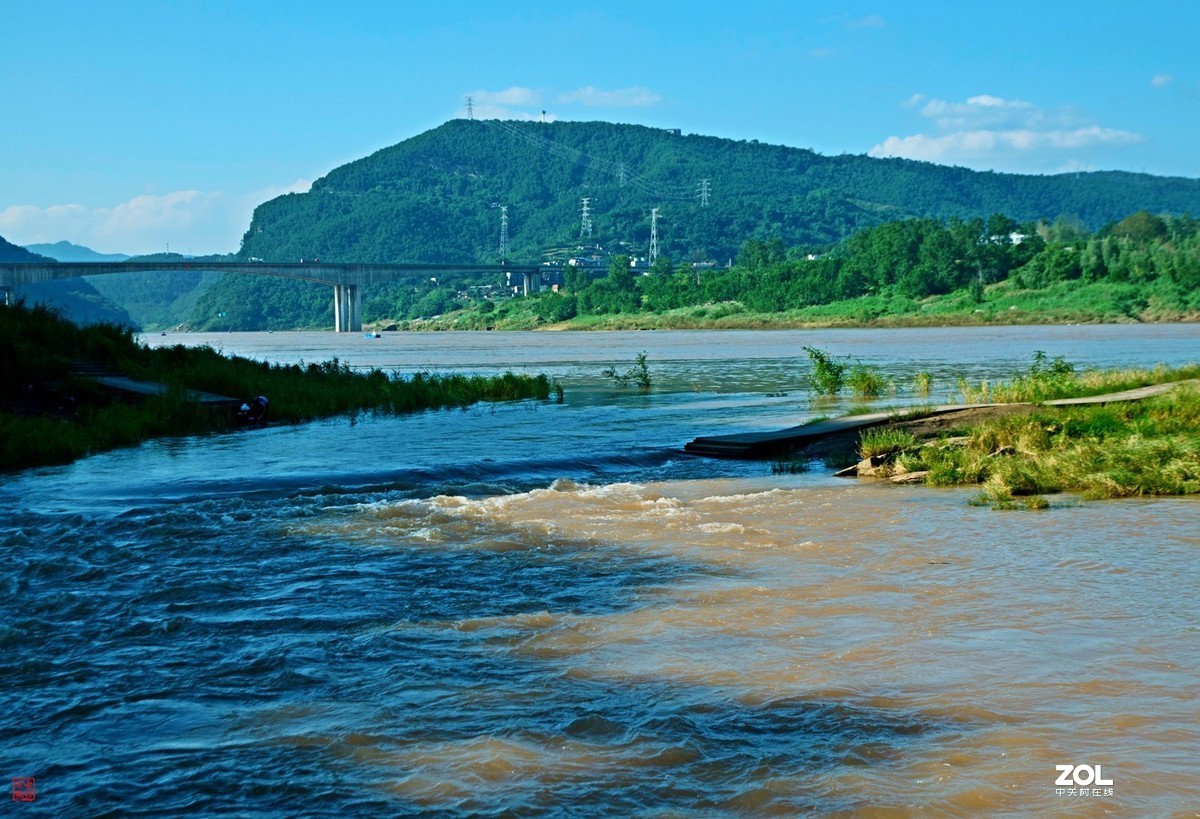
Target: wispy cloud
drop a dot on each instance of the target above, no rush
(637, 96)
(870, 21)
(987, 131)
(511, 103)
(981, 110)
(528, 103)
(1161, 80)
(963, 145)
(189, 221)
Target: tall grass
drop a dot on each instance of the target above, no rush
(43, 345)
(885, 441)
(1147, 447)
(867, 382)
(638, 375)
(1048, 379)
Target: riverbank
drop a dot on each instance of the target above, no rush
(53, 411)
(1003, 303)
(1101, 446)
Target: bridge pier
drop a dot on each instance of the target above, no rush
(347, 302)
(347, 279)
(532, 281)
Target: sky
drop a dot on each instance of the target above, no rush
(141, 127)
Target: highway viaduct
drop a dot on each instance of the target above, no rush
(347, 279)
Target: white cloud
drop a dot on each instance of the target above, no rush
(528, 104)
(180, 209)
(870, 21)
(981, 110)
(964, 147)
(189, 221)
(1161, 80)
(504, 104)
(509, 96)
(637, 96)
(987, 131)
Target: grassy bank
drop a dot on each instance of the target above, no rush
(48, 415)
(1003, 303)
(1149, 447)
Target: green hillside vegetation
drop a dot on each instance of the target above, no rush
(914, 272)
(163, 300)
(435, 198)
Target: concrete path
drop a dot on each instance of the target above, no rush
(752, 445)
(135, 389)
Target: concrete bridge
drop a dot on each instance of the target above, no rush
(347, 279)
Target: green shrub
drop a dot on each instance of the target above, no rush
(828, 375)
(867, 382)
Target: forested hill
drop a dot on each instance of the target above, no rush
(15, 253)
(436, 196)
(75, 298)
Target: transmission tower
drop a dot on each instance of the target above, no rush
(470, 108)
(704, 191)
(621, 174)
(653, 235)
(585, 227)
(504, 231)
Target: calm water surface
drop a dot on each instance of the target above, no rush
(545, 608)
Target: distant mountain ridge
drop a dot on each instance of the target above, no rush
(437, 196)
(65, 251)
(15, 253)
(76, 298)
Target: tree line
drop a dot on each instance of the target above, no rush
(911, 258)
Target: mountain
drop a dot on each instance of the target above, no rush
(436, 197)
(14, 253)
(66, 252)
(76, 298)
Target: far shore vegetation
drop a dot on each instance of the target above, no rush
(909, 273)
(1018, 455)
(51, 413)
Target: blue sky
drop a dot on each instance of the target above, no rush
(137, 126)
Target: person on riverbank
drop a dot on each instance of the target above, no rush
(254, 413)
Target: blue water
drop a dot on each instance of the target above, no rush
(547, 609)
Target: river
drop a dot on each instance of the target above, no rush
(546, 608)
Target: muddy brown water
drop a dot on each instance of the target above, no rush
(547, 608)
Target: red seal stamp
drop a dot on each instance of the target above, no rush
(24, 789)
